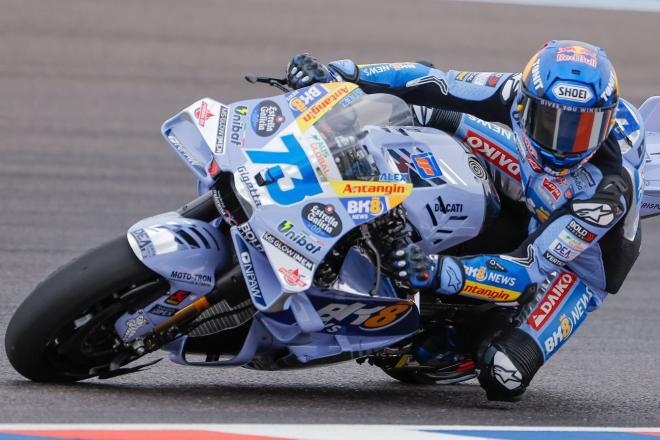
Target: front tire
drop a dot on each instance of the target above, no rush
(65, 326)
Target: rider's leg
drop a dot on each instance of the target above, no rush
(511, 358)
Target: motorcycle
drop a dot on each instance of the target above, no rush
(280, 262)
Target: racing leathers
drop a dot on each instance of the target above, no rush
(583, 234)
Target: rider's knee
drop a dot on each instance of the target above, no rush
(507, 365)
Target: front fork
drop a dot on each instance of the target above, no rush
(188, 251)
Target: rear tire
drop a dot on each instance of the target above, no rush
(410, 377)
(75, 308)
(421, 377)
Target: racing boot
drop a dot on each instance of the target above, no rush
(441, 353)
(507, 365)
(431, 362)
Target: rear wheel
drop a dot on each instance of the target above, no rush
(65, 327)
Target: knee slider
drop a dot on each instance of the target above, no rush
(508, 365)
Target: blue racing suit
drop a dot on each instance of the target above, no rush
(583, 234)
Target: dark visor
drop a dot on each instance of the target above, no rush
(563, 129)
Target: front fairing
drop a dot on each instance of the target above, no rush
(309, 204)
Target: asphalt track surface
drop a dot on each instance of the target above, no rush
(84, 87)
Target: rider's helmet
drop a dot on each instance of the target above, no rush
(566, 105)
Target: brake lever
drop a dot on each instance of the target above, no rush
(279, 83)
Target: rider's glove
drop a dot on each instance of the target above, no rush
(443, 274)
(304, 70)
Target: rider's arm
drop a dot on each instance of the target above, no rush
(563, 241)
(487, 95)
(569, 238)
(493, 143)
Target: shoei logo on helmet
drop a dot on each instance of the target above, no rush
(571, 92)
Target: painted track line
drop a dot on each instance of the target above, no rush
(312, 432)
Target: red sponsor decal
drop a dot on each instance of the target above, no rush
(577, 53)
(495, 154)
(133, 434)
(202, 114)
(177, 297)
(292, 277)
(213, 168)
(553, 297)
(580, 231)
(551, 188)
(493, 79)
(530, 155)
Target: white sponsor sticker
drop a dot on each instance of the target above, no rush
(572, 92)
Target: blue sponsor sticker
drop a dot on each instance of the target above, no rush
(566, 319)
(294, 155)
(322, 220)
(348, 100)
(393, 177)
(362, 209)
(426, 165)
(245, 260)
(266, 118)
(302, 99)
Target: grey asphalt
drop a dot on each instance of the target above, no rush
(84, 87)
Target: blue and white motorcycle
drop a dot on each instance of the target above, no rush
(281, 261)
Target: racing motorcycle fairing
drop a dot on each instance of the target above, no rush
(453, 197)
(263, 286)
(345, 326)
(187, 253)
(196, 133)
(306, 167)
(649, 120)
(650, 113)
(358, 275)
(310, 166)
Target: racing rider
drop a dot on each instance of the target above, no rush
(573, 167)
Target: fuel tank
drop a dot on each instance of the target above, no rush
(452, 199)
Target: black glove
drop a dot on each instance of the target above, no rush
(304, 70)
(411, 265)
(441, 273)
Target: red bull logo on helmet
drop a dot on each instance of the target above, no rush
(578, 54)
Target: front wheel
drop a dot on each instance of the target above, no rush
(65, 327)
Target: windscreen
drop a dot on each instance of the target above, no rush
(343, 128)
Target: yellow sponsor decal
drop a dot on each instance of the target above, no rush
(566, 326)
(336, 91)
(387, 316)
(481, 274)
(491, 293)
(542, 214)
(395, 201)
(460, 76)
(358, 188)
(528, 67)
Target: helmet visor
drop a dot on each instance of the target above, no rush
(565, 130)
